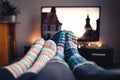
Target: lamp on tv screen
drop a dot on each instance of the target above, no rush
(83, 21)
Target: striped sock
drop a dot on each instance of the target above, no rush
(48, 51)
(25, 63)
(72, 55)
(59, 39)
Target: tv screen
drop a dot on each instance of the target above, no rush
(83, 21)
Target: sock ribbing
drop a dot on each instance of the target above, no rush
(48, 51)
(72, 55)
(70, 37)
(21, 66)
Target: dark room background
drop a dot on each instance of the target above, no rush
(29, 28)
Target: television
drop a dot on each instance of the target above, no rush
(83, 21)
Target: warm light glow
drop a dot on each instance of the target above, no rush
(35, 34)
(79, 46)
(99, 44)
(95, 44)
(89, 44)
(32, 40)
(74, 19)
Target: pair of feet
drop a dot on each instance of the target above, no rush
(67, 48)
(35, 59)
(83, 69)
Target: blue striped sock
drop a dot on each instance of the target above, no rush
(72, 55)
(59, 39)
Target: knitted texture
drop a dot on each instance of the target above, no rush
(25, 63)
(48, 51)
(72, 55)
(59, 39)
(70, 37)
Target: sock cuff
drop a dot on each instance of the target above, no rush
(83, 63)
(58, 61)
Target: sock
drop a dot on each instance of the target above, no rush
(48, 51)
(59, 39)
(19, 67)
(70, 37)
(72, 56)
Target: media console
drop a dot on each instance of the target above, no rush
(103, 56)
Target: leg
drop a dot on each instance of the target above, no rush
(16, 69)
(57, 69)
(72, 55)
(59, 39)
(83, 69)
(48, 51)
(91, 71)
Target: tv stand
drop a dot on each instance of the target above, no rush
(103, 56)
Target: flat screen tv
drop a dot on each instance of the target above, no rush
(83, 21)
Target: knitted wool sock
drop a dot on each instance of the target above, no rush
(18, 68)
(48, 51)
(72, 55)
(59, 39)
